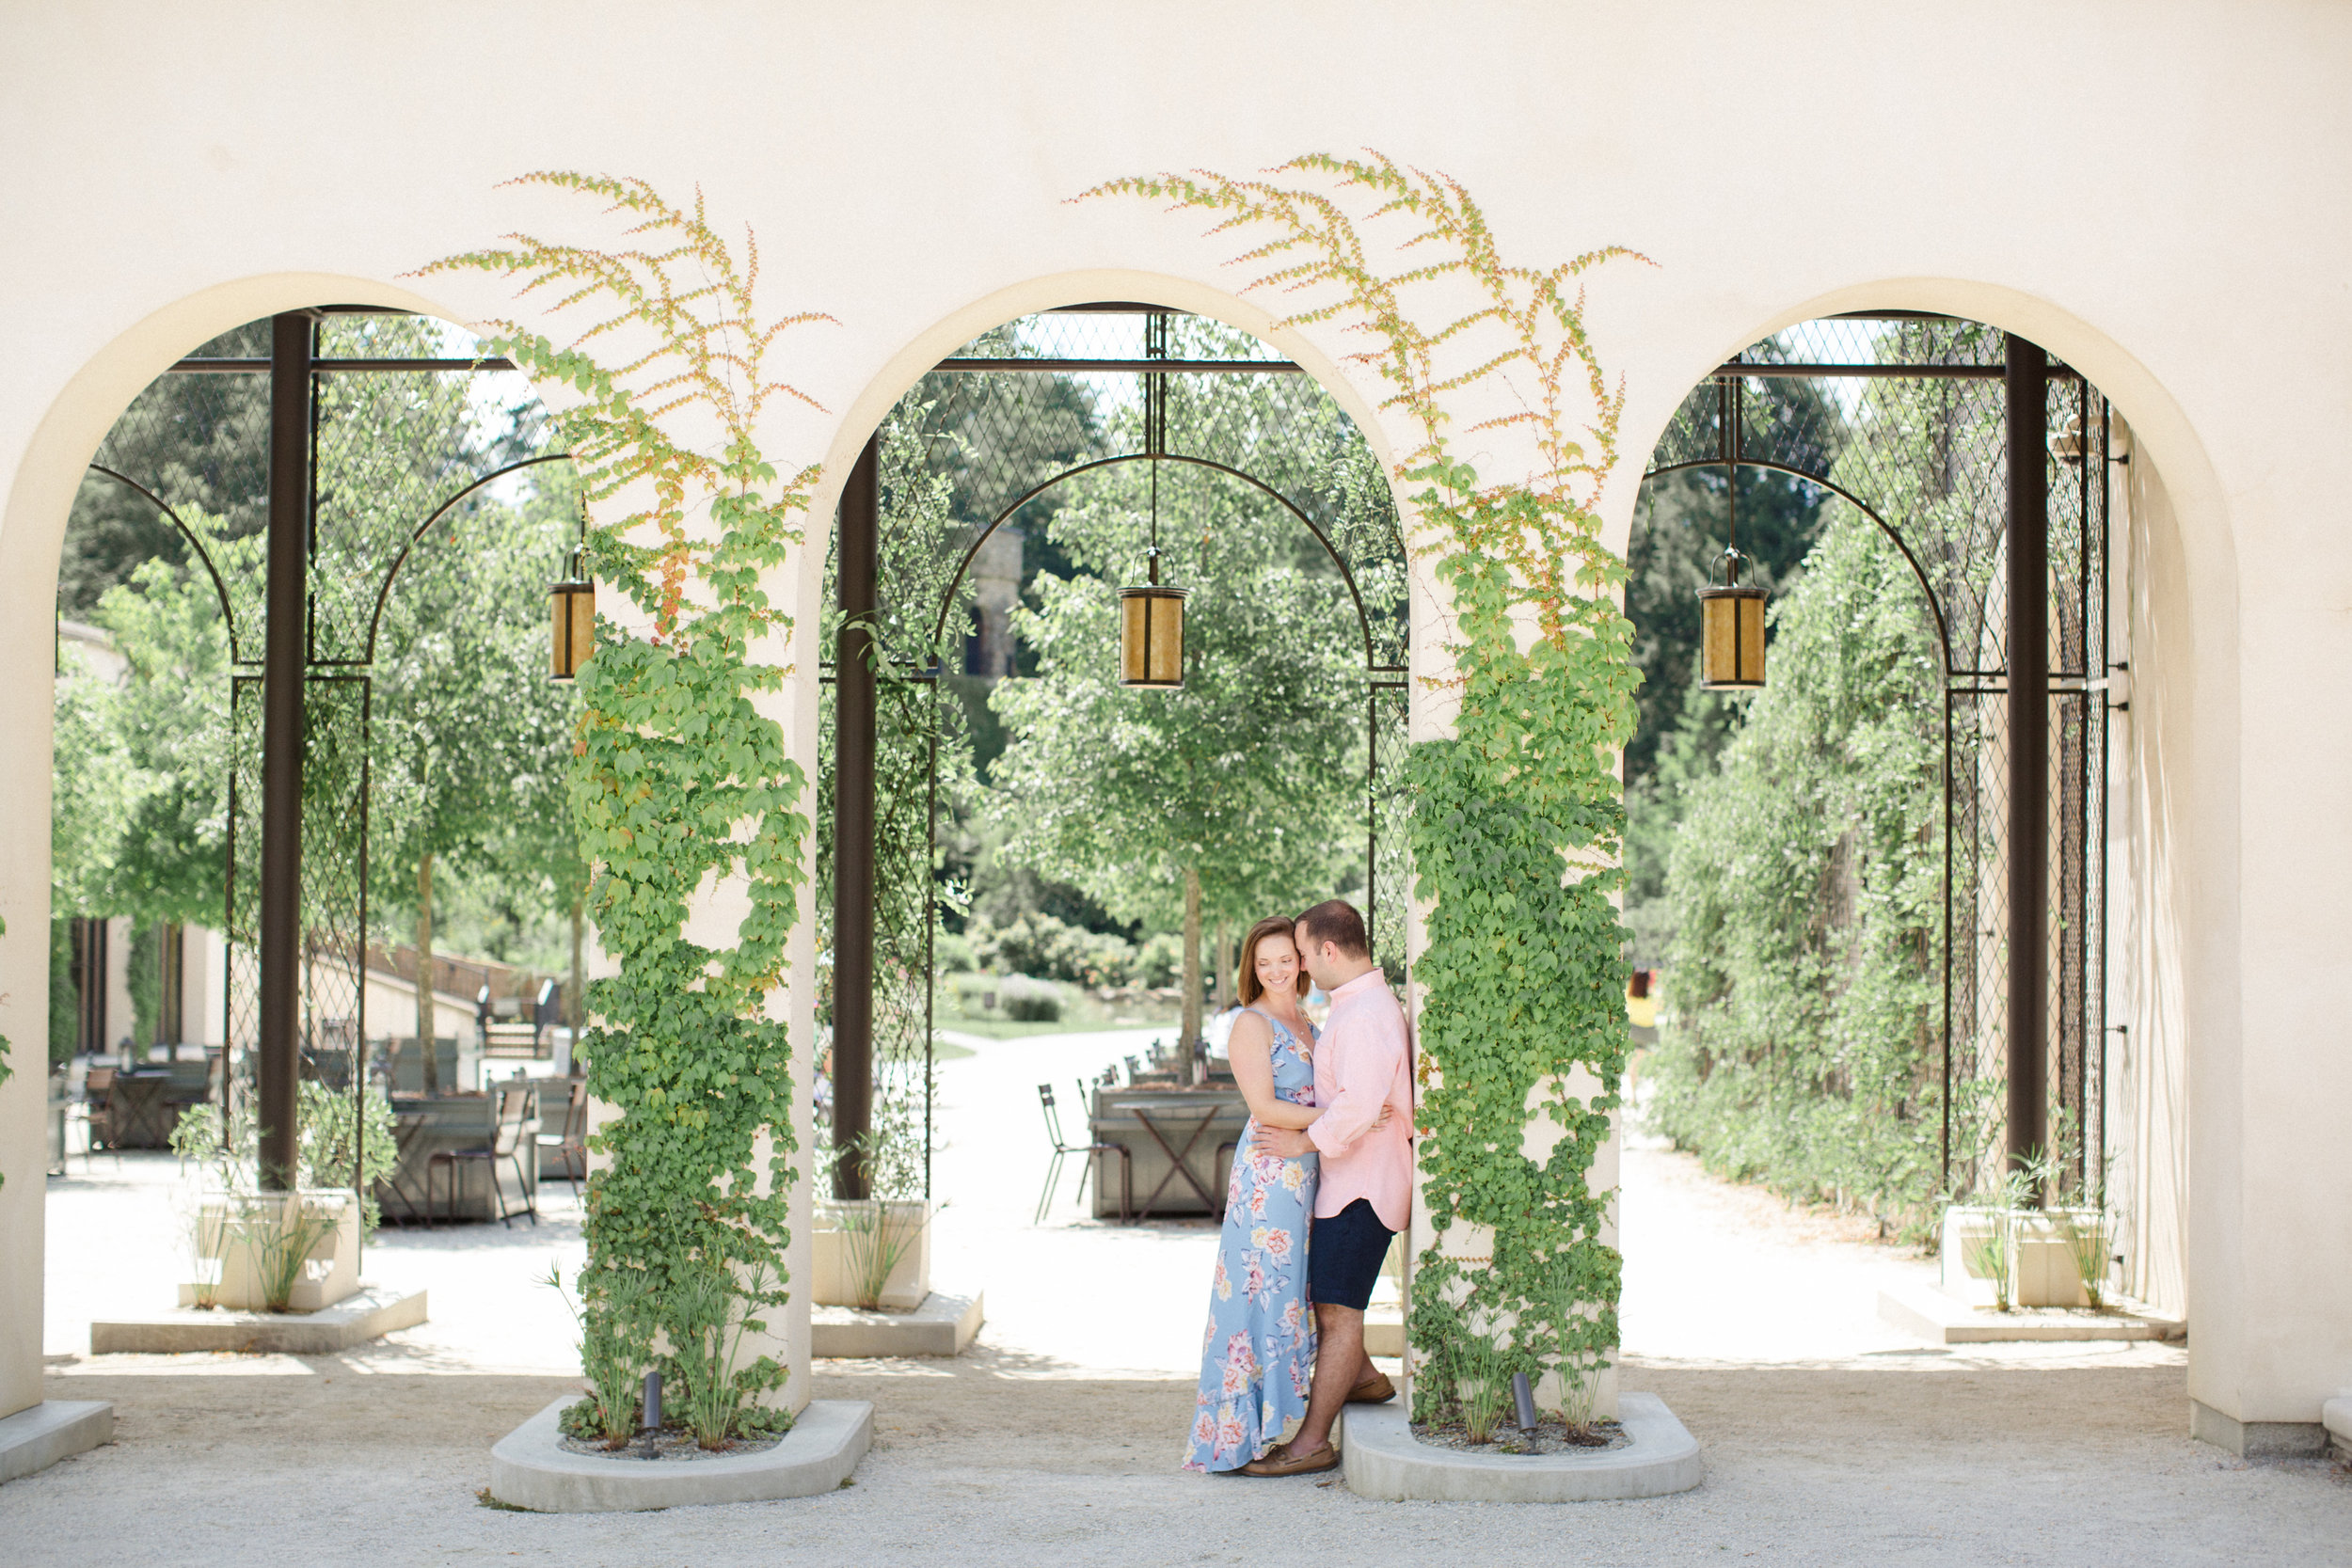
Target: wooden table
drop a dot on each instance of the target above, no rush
(1180, 1144)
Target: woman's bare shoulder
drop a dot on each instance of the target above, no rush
(1250, 1028)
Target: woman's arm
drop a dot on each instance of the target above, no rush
(1250, 1048)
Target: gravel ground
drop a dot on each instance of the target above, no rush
(983, 1461)
(1830, 1437)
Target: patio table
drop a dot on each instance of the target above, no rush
(1194, 1120)
(137, 1112)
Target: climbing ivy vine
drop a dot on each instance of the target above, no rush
(1516, 816)
(677, 779)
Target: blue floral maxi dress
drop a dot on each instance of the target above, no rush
(1258, 1355)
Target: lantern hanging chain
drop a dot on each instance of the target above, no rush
(1727, 399)
(1154, 429)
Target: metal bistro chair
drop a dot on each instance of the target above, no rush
(98, 1122)
(506, 1143)
(1063, 1149)
(571, 1143)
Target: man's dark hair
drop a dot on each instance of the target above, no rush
(1335, 920)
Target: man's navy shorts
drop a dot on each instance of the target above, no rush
(1345, 1254)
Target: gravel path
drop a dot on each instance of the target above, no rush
(1831, 1438)
(984, 1461)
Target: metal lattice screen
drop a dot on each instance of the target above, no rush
(183, 475)
(1002, 442)
(1904, 419)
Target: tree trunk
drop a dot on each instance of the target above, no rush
(577, 1004)
(1191, 982)
(1220, 971)
(425, 974)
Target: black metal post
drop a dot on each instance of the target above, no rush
(856, 564)
(282, 661)
(2026, 382)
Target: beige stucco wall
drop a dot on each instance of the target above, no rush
(2150, 191)
(2151, 902)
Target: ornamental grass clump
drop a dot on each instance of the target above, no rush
(678, 781)
(1517, 813)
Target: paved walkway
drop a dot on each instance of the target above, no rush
(1829, 1438)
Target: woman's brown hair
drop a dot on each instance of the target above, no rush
(1248, 980)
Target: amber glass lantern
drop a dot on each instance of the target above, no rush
(1731, 629)
(1152, 632)
(572, 611)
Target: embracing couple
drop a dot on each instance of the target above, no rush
(1322, 1180)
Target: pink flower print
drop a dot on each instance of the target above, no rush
(1301, 1384)
(1230, 1433)
(1204, 1430)
(1276, 1241)
(1224, 1285)
(1257, 1203)
(1290, 1317)
(1256, 1283)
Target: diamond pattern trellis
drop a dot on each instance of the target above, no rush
(1926, 454)
(391, 449)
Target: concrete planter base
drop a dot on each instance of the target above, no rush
(943, 1325)
(369, 1313)
(531, 1468)
(1920, 1308)
(2258, 1439)
(37, 1436)
(1382, 1459)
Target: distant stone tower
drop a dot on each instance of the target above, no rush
(996, 590)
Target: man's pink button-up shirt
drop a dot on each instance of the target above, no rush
(1362, 1064)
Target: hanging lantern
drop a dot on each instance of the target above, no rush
(1731, 629)
(1152, 632)
(572, 610)
(1151, 617)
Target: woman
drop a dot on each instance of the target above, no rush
(1258, 1357)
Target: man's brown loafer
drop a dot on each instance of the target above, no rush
(1279, 1461)
(1376, 1390)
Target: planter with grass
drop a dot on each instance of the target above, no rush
(872, 1255)
(274, 1252)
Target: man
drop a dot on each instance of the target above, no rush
(1367, 1181)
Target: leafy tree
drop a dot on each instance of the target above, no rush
(472, 740)
(1235, 795)
(1678, 532)
(1806, 878)
(201, 442)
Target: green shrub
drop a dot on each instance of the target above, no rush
(1798, 1041)
(1034, 1007)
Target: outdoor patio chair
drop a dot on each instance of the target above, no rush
(506, 1143)
(98, 1114)
(571, 1143)
(1063, 1149)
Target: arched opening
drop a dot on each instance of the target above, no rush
(1018, 480)
(426, 519)
(1836, 872)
